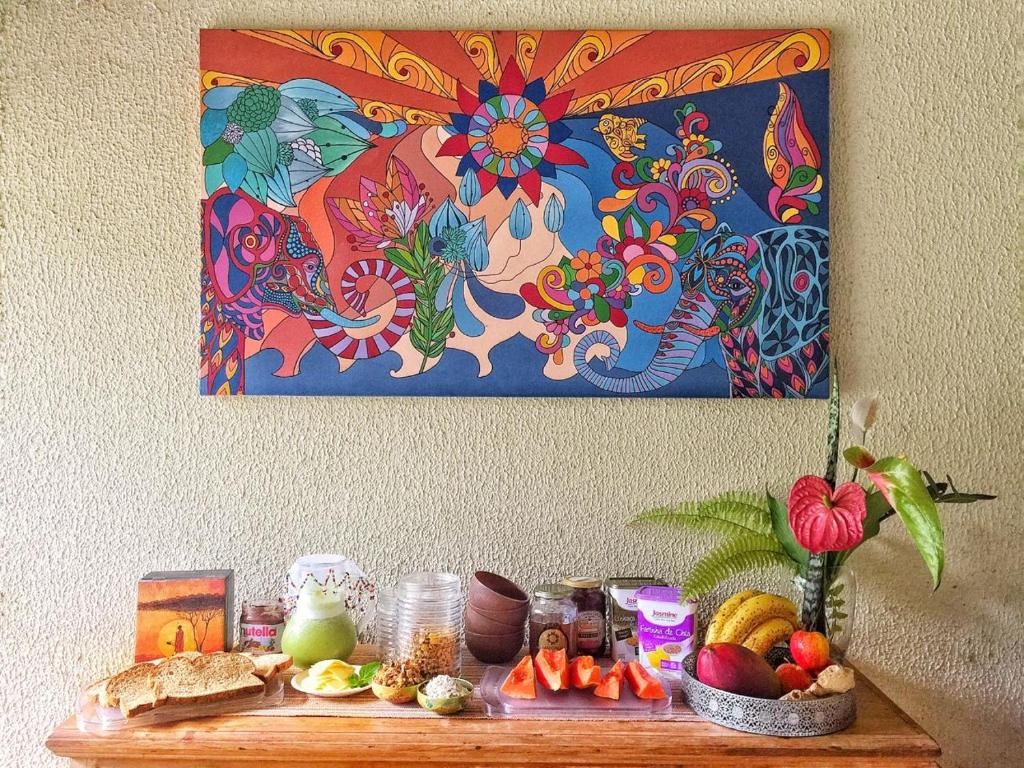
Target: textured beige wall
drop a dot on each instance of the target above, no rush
(112, 465)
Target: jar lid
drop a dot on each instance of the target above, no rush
(581, 582)
(552, 591)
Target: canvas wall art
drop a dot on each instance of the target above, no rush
(568, 213)
(184, 611)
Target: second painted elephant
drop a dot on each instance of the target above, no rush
(256, 258)
(763, 297)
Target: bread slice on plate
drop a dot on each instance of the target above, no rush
(132, 690)
(209, 678)
(269, 664)
(94, 691)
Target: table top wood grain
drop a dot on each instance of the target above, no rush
(882, 736)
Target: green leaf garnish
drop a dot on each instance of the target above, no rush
(364, 676)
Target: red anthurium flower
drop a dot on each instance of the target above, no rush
(824, 520)
(510, 134)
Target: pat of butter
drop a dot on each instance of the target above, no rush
(331, 666)
(329, 675)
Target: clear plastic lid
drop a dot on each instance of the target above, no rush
(430, 586)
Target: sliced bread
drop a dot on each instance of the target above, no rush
(208, 678)
(132, 690)
(93, 692)
(269, 664)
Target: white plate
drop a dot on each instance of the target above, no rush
(300, 678)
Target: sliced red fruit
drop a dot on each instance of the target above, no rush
(520, 683)
(611, 685)
(643, 684)
(584, 673)
(552, 669)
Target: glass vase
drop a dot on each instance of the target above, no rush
(839, 604)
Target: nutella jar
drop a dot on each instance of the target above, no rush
(261, 626)
(553, 620)
(588, 596)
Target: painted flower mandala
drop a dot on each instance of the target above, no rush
(510, 134)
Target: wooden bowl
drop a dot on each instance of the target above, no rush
(496, 593)
(494, 649)
(484, 625)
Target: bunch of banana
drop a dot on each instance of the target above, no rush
(753, 619)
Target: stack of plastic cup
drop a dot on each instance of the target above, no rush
(384, 628)
(428, 627)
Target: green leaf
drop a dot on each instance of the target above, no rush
(364, 676)
(256, 185)
(739, 555)
(685, 242)
(259, 150)
(858, 456)
(901, 484)
(339, 147)
(782, 531)
(404, 260)
(217, 152)
(214, 178)
(730, 514)
(421, 243)
(444, 323)
(801, 175)
(878, 507)
(602, 309)
(434, 276)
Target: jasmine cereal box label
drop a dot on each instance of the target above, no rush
(665, 629)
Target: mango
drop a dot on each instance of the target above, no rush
(731, 667)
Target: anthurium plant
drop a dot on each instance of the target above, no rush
(818, 527)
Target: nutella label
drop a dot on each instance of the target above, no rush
(262, 637)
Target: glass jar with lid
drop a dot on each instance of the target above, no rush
(553, 619)
(588, 596)
(428, 623)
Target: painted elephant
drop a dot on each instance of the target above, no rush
(255, 257)
(764, 297)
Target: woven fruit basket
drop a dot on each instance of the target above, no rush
(769, 717)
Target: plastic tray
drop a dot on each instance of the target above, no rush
(93, 718)
(572, 704)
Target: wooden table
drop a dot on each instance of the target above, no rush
(882, 737)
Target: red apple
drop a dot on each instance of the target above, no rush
(810, 650)
(793, 678)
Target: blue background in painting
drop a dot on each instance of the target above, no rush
(737, 117)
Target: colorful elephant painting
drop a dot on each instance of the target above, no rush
(592, 213)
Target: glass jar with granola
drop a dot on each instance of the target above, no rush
(428, 622)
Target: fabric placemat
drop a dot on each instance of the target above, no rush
(298, 704)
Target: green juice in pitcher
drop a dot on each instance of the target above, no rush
(319, 628)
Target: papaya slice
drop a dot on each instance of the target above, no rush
(610, 686)
(584, 673)
(552, 668)
(520, 683)
(643, 684)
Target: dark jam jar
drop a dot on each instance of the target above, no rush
(588, 596)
